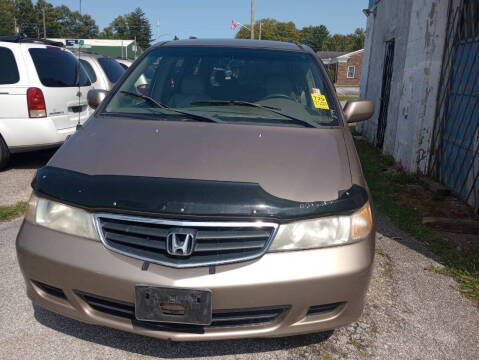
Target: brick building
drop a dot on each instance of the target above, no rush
(344, 68)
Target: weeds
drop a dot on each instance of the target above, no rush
(391, 200)
(11, 211)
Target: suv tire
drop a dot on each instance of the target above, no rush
(4, 153)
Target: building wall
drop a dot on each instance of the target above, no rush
(115, 51)
(390, 22)
(418, 28)
(342, 75)
(419, 87)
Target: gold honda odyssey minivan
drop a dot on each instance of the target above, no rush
(215, 193)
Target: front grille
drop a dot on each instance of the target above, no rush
(220, 318)
(215, 243)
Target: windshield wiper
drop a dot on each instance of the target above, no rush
(256, 105)
(148, 99)
(159, 105)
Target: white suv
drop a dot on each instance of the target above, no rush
(43, 95)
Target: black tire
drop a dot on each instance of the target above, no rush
(4, 153)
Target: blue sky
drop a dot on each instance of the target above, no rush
(212, 18)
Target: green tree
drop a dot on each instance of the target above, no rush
(337, 42)
(118, 29)
(129, 26)
(52, 21)
(350, 42)
(7, 12)
(358, 39)
(60, 21)
(27, 18)
(139, 27)
(314, 36)
(272, 29)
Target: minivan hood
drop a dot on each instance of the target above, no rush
(298, 164)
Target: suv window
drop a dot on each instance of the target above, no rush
(58, 68)
(210, 80)
(88, 68)
(112, 68)
(9, 73)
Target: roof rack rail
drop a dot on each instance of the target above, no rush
(25, 39)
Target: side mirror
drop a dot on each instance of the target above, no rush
(95, 97)
(358, 110)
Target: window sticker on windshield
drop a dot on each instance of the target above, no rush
(320, 101)
(316, 91)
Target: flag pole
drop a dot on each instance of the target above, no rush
(252, 19)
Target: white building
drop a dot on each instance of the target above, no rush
(421, 68)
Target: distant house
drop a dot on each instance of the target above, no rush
(343, 67)
(122, 49)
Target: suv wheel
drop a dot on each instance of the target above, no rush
(4, 153)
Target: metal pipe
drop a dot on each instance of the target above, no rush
(252, 19)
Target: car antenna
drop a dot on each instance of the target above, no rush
(79, 125)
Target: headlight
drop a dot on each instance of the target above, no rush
(324, 232)
(60, 217)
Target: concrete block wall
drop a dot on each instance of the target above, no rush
(391, 21)
(419, 87)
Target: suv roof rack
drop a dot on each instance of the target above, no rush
(24, 39)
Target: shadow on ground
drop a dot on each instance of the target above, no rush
(385, 227)
(167, 349)
(31, 159)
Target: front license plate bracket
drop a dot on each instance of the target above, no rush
(173, 305)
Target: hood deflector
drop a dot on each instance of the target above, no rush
(183, 196)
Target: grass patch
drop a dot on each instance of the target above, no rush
(389, 264)
(390, 199)
(346, 98)
(11, 211)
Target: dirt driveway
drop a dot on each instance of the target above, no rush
(411, 312)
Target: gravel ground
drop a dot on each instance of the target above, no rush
(411, 313)
(15, 180)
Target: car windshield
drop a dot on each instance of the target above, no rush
(228, 84)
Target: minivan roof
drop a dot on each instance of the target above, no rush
(235, 43)
(24, 39)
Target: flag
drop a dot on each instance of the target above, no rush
(234, 25)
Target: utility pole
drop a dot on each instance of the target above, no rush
(136, 46)
(252, 19)
(44, 25)
(260, 28)
(15, 29)
(158, 31)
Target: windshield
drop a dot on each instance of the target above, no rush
(219, 81)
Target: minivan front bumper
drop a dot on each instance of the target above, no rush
(317, 290)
